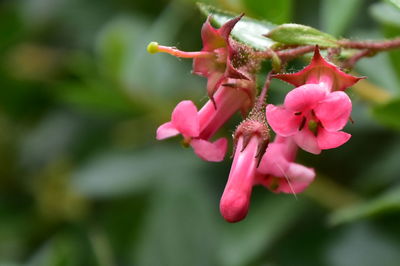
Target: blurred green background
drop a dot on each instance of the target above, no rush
(84, 182)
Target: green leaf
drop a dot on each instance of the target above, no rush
(386, 14)
(335, 20)
(389, 113)
(248, 31)
(275, 11)
(301, 35)
(387, 202)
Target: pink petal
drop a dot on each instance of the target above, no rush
(166, 130)
(282, 121)
(273, 162)
(236, 197)
(304, 98)
(334, 111)
(214, 81)
(208, 151)
(211, 37)
(185, 119)
(330, 140)
(296, 179)
(212, 117)
(307, 141)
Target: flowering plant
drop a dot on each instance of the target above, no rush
(311, 118)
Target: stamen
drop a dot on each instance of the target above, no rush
(154, 48)
(313, 126)
(303, 122)
(288, 180)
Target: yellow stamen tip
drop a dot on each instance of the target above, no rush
(152, 48)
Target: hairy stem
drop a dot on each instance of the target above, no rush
(371, 45)
(263, 95)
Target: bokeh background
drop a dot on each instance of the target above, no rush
(84, 182)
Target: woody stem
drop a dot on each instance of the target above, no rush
(292, 52)
(371, 45)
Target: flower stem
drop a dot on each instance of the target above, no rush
(371, 45)
(350, 63)
(263, 95)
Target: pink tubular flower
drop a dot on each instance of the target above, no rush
(313, 117)
(236, 197)
(185, 120)
(321, 72)
(218, 68)
(223, 61)
(278, 172)
(251, 139)
(230, 90)
(197, 127)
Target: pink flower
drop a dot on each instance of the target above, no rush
(251, 139)
(197, 127)
(314, 112)
(223, 61)
(235, 200)
(321, 72)
(278, 172)
(313, 117)
(218, 68)
(185, 120)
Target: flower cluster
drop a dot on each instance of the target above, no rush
(230, 87)
(311, 117)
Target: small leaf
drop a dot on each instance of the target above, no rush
(386, 14)
(247, 30)
(389, 201)
(389, 113)
(301, 35)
